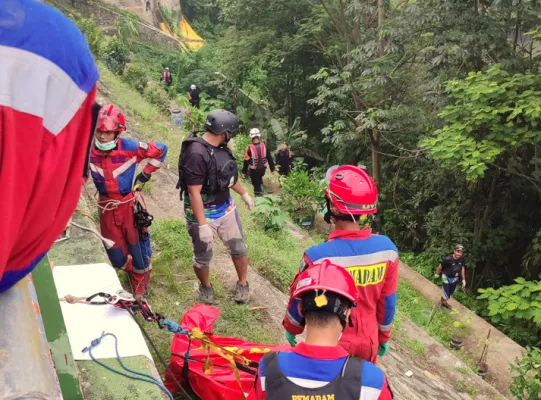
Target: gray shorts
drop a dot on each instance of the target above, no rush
(228, 229)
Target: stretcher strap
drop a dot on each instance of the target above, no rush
(229, 355)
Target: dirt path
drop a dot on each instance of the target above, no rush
(503, 351)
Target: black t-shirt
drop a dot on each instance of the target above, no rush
(451, 267)
(198, 166)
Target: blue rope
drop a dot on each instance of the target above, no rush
(140, 376)
(173, 327)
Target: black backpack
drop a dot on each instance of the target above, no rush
(227, 173)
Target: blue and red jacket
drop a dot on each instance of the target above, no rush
(114, 171)
(315, 366)
(372, 261)
(47, 89)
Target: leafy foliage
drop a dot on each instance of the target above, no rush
(116, 55)
(136, 77)
(94, 35)
(527, 378)
(301, 193)
(519, 301)
(491, 112)
(267, 210)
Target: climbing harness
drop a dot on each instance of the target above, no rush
(139, 376)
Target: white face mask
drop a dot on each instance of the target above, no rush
(106, 146)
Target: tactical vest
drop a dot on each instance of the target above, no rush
(346, 386)
(222, 173)
(259, 156)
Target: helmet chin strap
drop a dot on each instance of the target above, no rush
(329, 214)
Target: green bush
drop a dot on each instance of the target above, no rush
(93, 34)
(527, 380)
(155, 97)
(267, 210)
(116, 55)
(241, 142)
(302, 194)
(136, 77)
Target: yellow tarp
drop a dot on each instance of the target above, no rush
(193, 40)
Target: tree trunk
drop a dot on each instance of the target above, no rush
(376, 157)
(381, 16)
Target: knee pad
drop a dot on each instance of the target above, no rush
(237, 248)
(202, 260)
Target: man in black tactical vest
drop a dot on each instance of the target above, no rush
(319, 368)
(451, 270)
(207, 172)
(256, 160)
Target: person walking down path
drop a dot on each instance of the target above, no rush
(256, 160)
(372, 260)
(166, 77)
(283, 160)
(123, 216)
(319, 368)
(207, 172)
(451, 269)
(194, 96)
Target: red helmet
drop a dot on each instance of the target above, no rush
(111, 119)
(351, 190)
(327, 276)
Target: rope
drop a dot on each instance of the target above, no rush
(139, 376)
(153, 345)
(111, 205)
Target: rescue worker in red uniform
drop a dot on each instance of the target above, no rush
(320, 368)
(113, 164)
(372, 261)
(256, 160)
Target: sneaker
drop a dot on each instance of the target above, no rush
(446, 305)
(242, 294)
(206, 294)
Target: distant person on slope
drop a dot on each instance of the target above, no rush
(283, 160)
(207, 172)
(319, 368)
(113, 164)
(256, 160)
(194, 96)
(372, 260)
(166, 77)
(47, 89)
(451, 269)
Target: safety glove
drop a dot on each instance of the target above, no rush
(248, 201)
(383, 349)
(291, 339)
(140, 181)
(205, 233)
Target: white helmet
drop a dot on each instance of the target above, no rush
(193, 87)
(255, 133)
(167, 68)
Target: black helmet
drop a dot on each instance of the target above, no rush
(222, 121)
